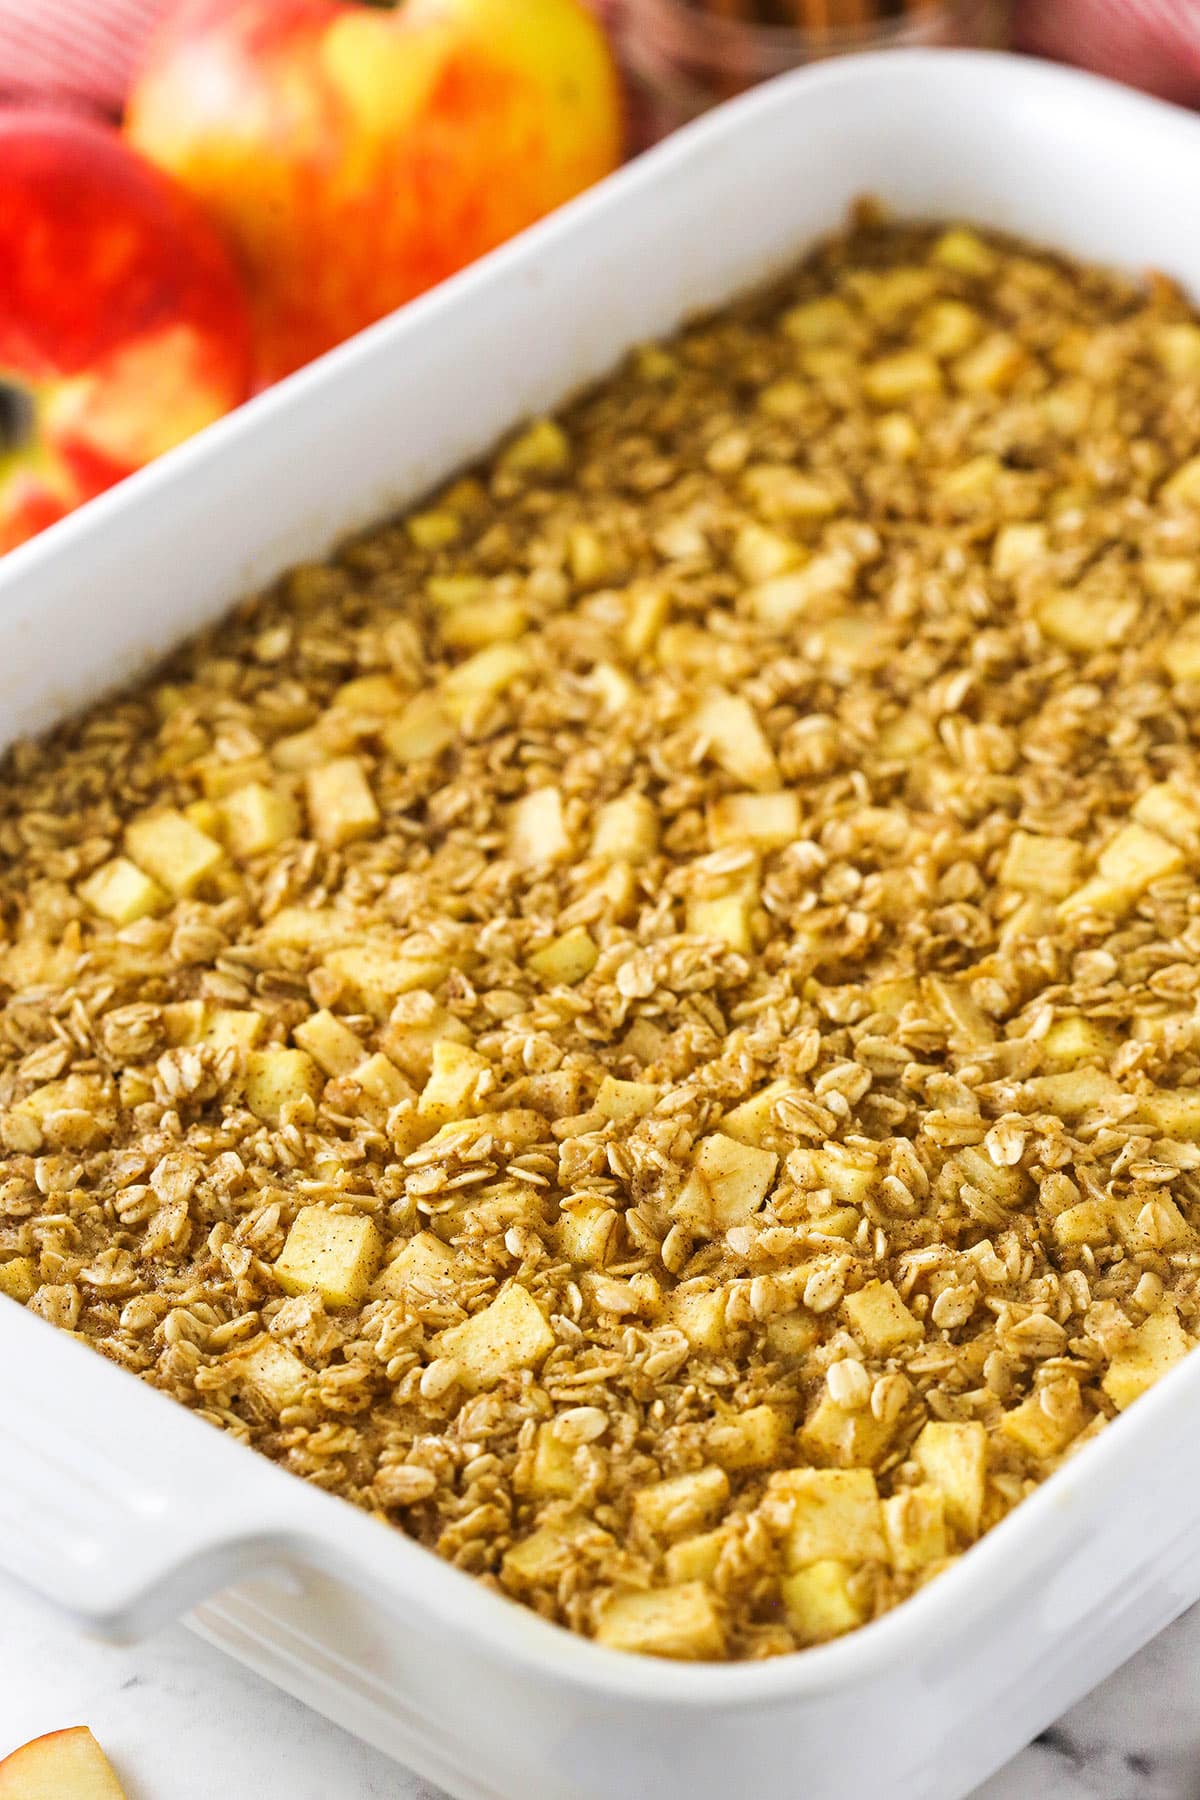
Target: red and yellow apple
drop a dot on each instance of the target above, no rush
(123, 324)
(63, 1765)
(355, 156)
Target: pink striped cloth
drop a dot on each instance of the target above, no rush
(82, 52)
(73, 52)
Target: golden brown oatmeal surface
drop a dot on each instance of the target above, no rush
(642, 1022)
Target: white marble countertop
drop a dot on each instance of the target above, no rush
(182, 1722)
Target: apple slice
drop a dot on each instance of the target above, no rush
(63, 1765)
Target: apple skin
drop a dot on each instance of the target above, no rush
(123, 323)
(63, 1765)
(355, 156)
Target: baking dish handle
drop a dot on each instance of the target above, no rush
(119, 1506)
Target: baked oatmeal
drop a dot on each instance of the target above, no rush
(641, 1022)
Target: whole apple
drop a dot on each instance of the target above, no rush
(123, 324)
(356, 156)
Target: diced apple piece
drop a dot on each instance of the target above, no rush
(827, 1512)
(829, 320)
(63, 1765)
(1142, 1226)
(232, 1028)
(791, 1335)
(621, 1100)
(845, 1437)
(763, 821)
(587, 1233)
(888, 295)
(646, 611)
(701, 1314)
(1181, 654)
(494, 620)
(381, 1081)
(1174, 814)
(458, 1081)
(434, 528)
(683, 1503)
(375, 975)
(1130, 863)
(1032, 1429)
(613, 686)
(880, 1318)
(695, 1558)
(305, 928)
(588, 557)
(425, 1264)
(335, 1253)
(1177, 347)
(726, 917)
(1088, 622)
(760, 554)
(417, 1023)
(206, 816)
(897, 437)
(727, 726)
(753, 1121)
(803, 593)
(728, 1183)
(1173, 1113)
(540, 1559)
(257, 818)
(947, 328)
(965, 253)
(276, 1081)
(1183, 487)
(1041, 865)
(850, 1175)
(1073, 1093)
(491, 671)
(1018, 547)
(779, 491)
(332, 1045)
(537, 830)
(170, 849)
(424, 728)
(508, 1335)
(914, 1523)
(1073, 1040)
(893, 380)
(1156, 1346)
(820, 1603)
(275, 1373)
(341, 806)
(992, 366)
(850, 644)
(1171, 577)
(565, 960)
(680, 1622)
(1087, 1223)
(121, 893)
(953, 1458)
(754, 1439)
(449, 592)
(626, 829)
(1136, 857)
(19, 1278)
(369, 698)
(553, 1473)
(543, 448)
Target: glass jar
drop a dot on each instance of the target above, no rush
(680, 58)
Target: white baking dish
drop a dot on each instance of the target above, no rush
(124, 1509)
